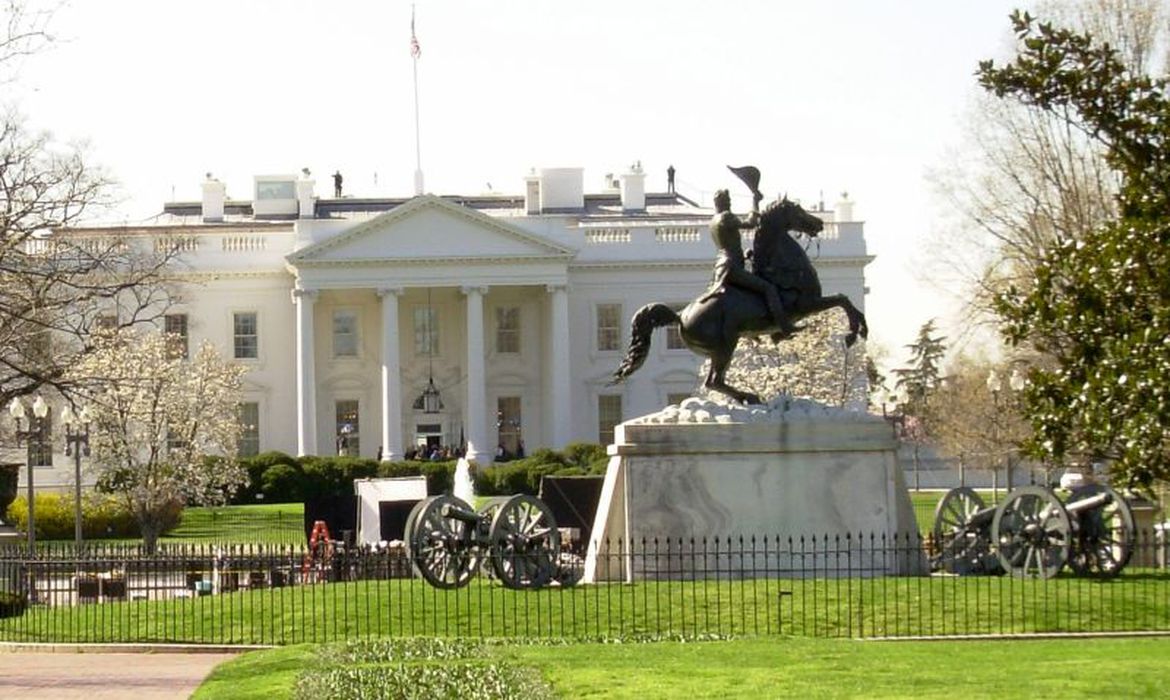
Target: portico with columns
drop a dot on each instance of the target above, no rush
(390, 278)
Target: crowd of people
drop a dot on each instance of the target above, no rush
(442, 453)
(433, 453)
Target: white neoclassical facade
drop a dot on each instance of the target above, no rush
(515, 308)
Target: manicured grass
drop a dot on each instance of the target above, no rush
(264, 675)
(889, 606)
(266, 523)
(785, 667)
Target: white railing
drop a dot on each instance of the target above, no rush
(243, 244)
(678, 234)
(596, 236)
(181, 244)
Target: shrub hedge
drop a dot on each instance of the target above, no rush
(281, 478)
(101, 516)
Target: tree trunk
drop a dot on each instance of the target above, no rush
(151, 529)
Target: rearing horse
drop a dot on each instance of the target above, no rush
(713, 324)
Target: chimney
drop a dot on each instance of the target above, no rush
(634, 189)
(844, 208)
(532, 193)
(214, 193)
(305, 199)
(562, 189)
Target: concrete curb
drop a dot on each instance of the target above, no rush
(1019, 637)
(98, 648)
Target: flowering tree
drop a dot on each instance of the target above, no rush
(165, 428)
(812, 364)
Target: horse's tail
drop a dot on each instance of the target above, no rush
(642, 326)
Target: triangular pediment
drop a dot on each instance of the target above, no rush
(430, 228)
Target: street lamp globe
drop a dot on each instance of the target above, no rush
(993, 382)
(1017, 381)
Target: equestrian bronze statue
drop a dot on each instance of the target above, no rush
(781, 288)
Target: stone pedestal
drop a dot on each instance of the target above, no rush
(794, 490)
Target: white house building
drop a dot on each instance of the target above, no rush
(515, 309)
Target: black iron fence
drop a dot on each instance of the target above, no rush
(832, 586)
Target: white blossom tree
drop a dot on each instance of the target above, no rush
(813, 364)
(165, 428)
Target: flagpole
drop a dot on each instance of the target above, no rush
(414, 53)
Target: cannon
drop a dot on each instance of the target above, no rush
(1032, 533)
(514, 538)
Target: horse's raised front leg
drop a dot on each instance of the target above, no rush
(857, 324)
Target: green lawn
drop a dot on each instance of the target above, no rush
(889, 606)
(779, 667)
(266, 523)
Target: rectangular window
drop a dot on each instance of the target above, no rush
(508, 425)
(107, 322)
(345, 334)
(175, 327)
(609, 331)
(276, 189)
(40, 447)
(175, 443)
(677, 399)
(674, 339)
(609, 414)
(426, 331)
(507, 329)
(348, 435)
(249, 444)
(40, 347)
(245, 331)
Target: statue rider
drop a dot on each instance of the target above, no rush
(729, 263)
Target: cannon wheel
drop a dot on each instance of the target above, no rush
(442, 548)
(408, 529)
(962, 548)
(487, 512)
(525, 543)
(1104, 539)
(1032, 532)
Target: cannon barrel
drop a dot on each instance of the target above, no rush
(450, 510)
(981, 519)
(1089, 503)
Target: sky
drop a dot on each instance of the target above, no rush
(825, 97)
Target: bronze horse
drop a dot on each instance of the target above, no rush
(713, 324)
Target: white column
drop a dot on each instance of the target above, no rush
(560, 413)
(306, 376)
(391, 382)
(476, 416)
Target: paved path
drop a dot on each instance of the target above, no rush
(68, 675)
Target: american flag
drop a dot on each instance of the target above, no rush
(415, 49)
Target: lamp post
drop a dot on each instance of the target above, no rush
(76, 444)
(33, 439)
(994, 385)
(1016, 383)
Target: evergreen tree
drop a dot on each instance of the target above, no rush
(922, 377)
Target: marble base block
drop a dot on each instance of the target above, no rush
(782, 495)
